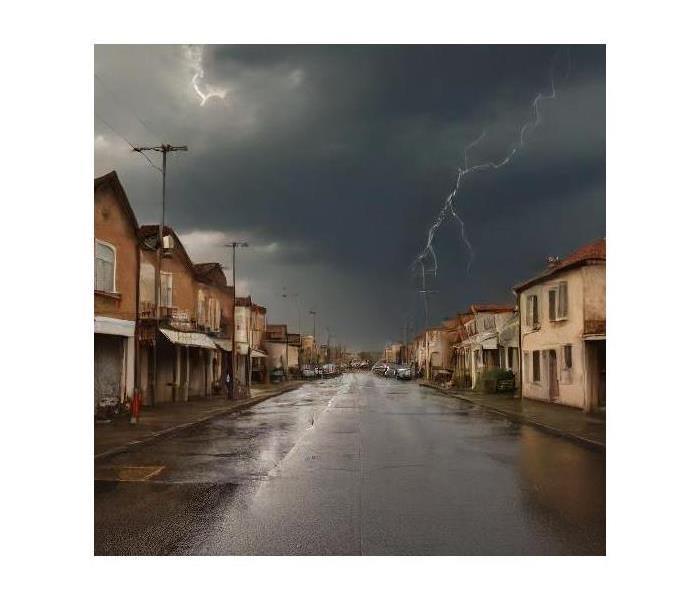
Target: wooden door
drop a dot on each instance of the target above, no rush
(552, 372)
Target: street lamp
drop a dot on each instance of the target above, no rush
(313, 348)
(232, 392)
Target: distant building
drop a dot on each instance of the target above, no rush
(277, 347)
(480, 347)
(562, 323)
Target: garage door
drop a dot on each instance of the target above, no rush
(109, 360)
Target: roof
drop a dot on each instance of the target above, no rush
(244, 301)
(593, 253)
(477, 308)
(148, 231)
(111, 179)
(211, 273)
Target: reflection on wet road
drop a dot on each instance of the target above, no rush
(355, 465)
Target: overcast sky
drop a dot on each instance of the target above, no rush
(333, 162)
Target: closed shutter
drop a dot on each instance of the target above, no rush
(552, 305)
(563, 307)
(535, 312)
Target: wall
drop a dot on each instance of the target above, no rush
(276, 355)
(594, 292)
(114, 226)
(552, 335)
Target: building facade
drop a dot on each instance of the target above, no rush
(115, 293)
(183, 340)
(562, 323)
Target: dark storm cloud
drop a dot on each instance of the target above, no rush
(335, 160)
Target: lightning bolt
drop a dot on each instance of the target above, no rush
(448, 208)
(194, 56)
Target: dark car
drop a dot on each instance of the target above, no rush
(276, 375)
(405, 373)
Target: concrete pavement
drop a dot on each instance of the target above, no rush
(588, 429)
(355, 465)
(119, 434)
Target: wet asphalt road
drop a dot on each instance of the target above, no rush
(355, 465)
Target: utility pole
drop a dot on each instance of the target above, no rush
(163, 149)
(233, 245)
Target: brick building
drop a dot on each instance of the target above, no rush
(115, 291)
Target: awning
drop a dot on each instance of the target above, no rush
(258, 354)
(113, 326)
(223, 344)
(490, 344)
(189, 338)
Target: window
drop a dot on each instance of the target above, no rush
(166, 289)
(568, 359)
(532, 316)
(489, 323)
(552, 305)
(563, 297)
(526, 366)
(105, 259)
(558, 302)
(536, 365)
(201, 317)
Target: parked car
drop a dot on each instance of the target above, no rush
(308, 373)
(379, 368)
(277, 375)
(405, 373)
(390, 370)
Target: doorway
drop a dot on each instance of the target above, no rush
(552, 376)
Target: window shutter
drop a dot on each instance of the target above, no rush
(552, 305)
(535, 312)
(528, 311)
(563, 307)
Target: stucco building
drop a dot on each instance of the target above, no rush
(562, 323)
(482, 331)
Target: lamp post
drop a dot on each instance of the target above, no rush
(313, 348)
(232, 393)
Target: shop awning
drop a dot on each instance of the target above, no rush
(223, 344)
(490, 344)
(112, 326)
(258, 354)
(189, 338)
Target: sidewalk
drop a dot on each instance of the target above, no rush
(120, 435)
(561, 420)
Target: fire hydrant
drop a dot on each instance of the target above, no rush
(135, 406)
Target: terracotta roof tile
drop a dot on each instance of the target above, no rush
(590, 253)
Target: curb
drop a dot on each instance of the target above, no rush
(182, 426)
(518, 418)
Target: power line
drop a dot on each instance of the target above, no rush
(150, 162)
(125, 104)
